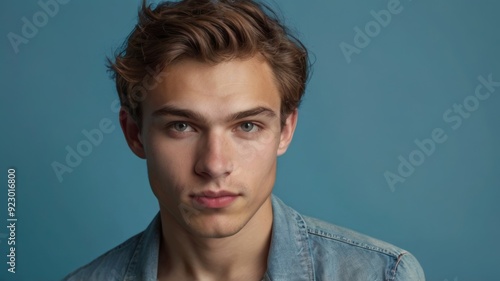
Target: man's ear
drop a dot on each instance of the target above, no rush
(287, 132)
(132, 133)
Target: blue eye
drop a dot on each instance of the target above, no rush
(181, 127)
(247, 126)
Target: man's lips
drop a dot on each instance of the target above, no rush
(214, 199)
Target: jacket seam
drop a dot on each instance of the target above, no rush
(351, 242)
(304, 229)
(395, 269)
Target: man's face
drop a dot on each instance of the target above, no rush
(211, 135)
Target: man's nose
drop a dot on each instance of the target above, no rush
(214, 156)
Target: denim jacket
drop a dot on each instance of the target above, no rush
(302, 248)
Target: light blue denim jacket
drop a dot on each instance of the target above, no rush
(302, 248)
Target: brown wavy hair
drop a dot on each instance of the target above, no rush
(210, 32)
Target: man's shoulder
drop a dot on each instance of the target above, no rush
(326, 232)
(110, 265)
(358, 250)
(332, 252)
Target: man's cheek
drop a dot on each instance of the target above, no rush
(165, 174)
(251, 149)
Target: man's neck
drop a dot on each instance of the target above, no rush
(242, 256)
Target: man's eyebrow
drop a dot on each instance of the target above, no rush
(175, 111)
(186, 113)
(252, 112)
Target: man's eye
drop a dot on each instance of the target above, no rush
(248, 127)
(181, 127)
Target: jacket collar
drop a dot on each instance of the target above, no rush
(289, 255)
(144, 262)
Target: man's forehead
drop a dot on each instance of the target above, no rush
(190, 67)
(230, 84)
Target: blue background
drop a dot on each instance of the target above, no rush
(357, 118)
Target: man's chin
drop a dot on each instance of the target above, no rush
(212, 230)
(216, 224)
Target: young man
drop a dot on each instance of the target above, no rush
(209, 93)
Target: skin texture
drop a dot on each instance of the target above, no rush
(209, 129)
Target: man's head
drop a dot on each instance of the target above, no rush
(221, 82)
(211, 32)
